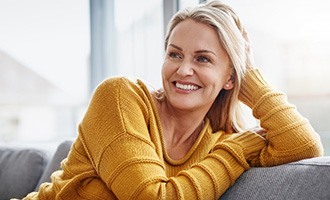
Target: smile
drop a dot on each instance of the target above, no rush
(186, 87)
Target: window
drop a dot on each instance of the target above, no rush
(187, 3)
(127, 40)
(139, 39)
(44, 60)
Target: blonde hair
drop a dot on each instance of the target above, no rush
(225, 113)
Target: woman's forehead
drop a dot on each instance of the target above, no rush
(190, 33)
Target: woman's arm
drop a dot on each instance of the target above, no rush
(115, 132)
(290, 136)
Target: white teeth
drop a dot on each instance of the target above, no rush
(186, 87)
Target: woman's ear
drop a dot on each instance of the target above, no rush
(229, 84)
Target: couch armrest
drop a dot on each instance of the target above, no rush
(305, 179)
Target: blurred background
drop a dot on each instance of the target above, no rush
(54, 53)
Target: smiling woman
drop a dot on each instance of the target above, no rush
(187, 145)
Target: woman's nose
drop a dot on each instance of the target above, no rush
(185, 68)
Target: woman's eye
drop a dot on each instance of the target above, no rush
(174, 55)
(203, 59)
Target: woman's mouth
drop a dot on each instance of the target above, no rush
(187, 87)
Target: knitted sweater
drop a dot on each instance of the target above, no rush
(120, 153)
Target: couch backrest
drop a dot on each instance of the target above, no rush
(304, 180)
(20, 170)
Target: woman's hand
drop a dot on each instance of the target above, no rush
(250, 64)
(260, 131)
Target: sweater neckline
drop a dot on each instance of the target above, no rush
(191, 150)
(205, 132)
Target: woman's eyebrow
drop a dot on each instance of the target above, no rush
(198, 51)
(205, 51)
(176, 47)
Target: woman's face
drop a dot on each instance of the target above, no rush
(196, 67)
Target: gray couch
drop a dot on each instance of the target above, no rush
(23, 170)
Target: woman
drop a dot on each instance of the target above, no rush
(181, 142)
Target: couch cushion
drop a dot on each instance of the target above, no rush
(20, 170)
(306, 179)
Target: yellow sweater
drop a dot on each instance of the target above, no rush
(119, 152)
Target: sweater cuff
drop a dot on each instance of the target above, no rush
(247, 145)
(252, 144)
(252, 87)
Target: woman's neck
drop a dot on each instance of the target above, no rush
(180, 128)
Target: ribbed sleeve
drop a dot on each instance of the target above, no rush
(290, 136)
(250, 145)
